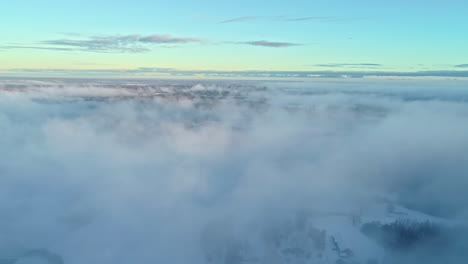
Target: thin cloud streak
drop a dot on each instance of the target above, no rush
(149, 72)
(133, 43)
(316, 18)
(35, 47)
(168, 39)
(286, 19)
(271, 44)
(239, 19)
(337, 65)
(110, 43)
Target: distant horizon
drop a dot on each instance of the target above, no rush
(156, 73)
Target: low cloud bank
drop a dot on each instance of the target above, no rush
(138, 171)
(150, 72)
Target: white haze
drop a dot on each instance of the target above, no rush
(137, 172)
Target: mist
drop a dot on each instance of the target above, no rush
(209, 171)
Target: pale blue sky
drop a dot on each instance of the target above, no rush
(296, 35)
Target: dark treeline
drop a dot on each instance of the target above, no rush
(420, 242)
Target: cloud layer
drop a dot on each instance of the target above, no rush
(271, 44)
(351, 65)
(155, 71)
(130, 43)
(280, 19)
(140, 171)
(109, 43)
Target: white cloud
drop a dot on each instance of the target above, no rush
(120, 173)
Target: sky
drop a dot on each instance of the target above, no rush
(210, 38)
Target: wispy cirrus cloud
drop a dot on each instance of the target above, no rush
(126, 43)
(131, 43)
(350, 65)
(287, 19)
(269, 44)
(34, 47)
(168, 39)
(308, 18)
(240, 19)
(109, 43)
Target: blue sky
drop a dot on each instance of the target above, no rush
(297, 35)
